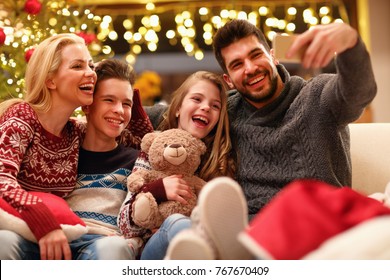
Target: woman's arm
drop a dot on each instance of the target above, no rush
(17, 134)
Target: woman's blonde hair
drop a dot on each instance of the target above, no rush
(44, 62)
(218, 160)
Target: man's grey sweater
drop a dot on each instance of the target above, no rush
(303, 133)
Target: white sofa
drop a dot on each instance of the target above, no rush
(370, 155)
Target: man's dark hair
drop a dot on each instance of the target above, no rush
(233, 31)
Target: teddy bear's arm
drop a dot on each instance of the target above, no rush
(136, 180)
(197, 183)
(140, 177)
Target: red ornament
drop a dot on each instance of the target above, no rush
(2, 36)
(32, 7)
(28, 54)
(88, 38)
(91, 37)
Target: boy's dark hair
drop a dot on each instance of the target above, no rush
(114, 69)
(233, 31)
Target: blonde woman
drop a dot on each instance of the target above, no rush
(39, 144)
(198, 106)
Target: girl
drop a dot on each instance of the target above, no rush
(198, 106)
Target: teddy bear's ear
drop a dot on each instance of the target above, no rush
(147, 140)
(201, 145)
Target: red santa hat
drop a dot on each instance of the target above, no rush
(305, 214)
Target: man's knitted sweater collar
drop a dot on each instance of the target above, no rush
(274, 110)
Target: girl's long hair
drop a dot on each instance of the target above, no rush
(219, 158)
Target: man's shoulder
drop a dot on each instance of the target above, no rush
(234, 98)
(156, 113)
(231, 93)
(156, 109)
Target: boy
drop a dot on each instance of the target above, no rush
(104, 164)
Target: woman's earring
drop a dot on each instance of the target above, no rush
(177, 114)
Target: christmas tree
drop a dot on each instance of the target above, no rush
(25, 23)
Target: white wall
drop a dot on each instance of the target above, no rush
(379, 26)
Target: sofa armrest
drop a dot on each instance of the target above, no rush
(370, 155)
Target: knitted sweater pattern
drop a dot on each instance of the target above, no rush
(32, 159)
(304, 132)
(102, 187)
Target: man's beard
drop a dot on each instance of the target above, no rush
(264, 97)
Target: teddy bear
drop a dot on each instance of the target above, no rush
(171, 152)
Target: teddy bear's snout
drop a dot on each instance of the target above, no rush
(175, 154)
(175, 146)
